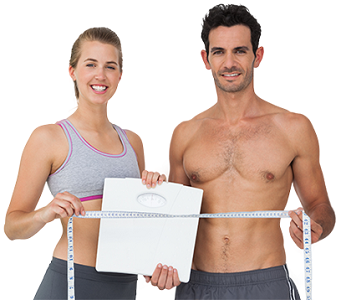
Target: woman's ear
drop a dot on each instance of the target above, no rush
(72, 73)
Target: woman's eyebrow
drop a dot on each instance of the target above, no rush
(95, 60)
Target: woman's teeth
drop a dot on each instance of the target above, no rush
(99, 88)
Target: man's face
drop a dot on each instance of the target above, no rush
(231, 58)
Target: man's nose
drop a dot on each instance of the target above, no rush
(229, 61)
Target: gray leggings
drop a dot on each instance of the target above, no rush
(89, 284)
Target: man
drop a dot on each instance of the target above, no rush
(245, 153)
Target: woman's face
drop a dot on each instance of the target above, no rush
(97, 72)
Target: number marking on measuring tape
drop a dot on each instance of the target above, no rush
(307, 256)
(130, 214)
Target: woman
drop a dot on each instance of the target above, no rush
(74, 156)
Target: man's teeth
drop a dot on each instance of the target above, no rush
(99, 88)
(230, 75)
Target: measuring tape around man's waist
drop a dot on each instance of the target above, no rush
(254, 214)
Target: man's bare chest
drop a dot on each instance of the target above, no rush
(259, 152)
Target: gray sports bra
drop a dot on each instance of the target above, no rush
(85, 168)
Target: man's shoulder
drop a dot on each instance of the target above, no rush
(189, 127)
(284, 117)
(186, 130)
(291, 121)
(296, 127)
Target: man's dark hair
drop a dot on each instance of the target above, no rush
(230, 15)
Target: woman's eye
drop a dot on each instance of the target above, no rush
(90, 65)
(111, 68)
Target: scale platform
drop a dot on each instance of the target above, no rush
(136, 246)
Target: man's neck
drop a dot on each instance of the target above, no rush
(239, 105)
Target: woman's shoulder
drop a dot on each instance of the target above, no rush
(133, 138)
(47, 134)
(47, 141)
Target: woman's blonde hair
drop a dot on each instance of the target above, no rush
(99, 34)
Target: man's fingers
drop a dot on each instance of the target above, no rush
(163, 277)
(155, 277)
(169, 280)
(294, 237)
(296, 217)
(176, 280)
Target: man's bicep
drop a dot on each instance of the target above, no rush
(308, 177)
(177, 172)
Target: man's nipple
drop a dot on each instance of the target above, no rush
(195, 177)
(270, 176)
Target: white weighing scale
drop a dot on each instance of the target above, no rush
(136, 246)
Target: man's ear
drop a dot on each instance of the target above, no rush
(259, 57)
(205, 59)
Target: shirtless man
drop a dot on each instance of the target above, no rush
(245, 153)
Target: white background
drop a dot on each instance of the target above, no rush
(164, 82)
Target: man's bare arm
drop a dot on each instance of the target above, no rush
(179, 140)
(309, 183)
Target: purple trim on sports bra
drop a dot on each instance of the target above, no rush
(96, 150)
(70, 149)
(91, 198)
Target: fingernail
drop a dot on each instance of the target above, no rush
(159, 266)
(143, 181)
(165, 267)
(170, 269)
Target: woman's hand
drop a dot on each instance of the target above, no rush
(62, 206)
(150, 179)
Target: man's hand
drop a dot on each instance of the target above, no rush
(296, 228)
(164, 277)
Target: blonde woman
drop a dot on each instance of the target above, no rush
(74, 156)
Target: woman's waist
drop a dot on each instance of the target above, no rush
(89, 272)
(85, 240)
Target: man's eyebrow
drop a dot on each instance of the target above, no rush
(217, 49)
(94, 60)
(245, 48)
